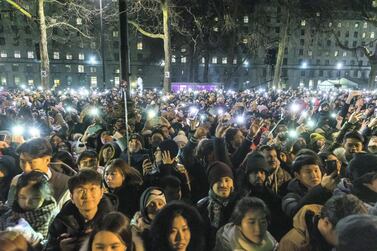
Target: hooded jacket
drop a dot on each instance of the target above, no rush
(9, 169)
(230, 238)
(298, 238)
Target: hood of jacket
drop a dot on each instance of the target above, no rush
(299, 220)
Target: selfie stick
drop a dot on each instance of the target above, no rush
(126, 122)
(273, 129)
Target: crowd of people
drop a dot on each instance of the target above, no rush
(253, 170)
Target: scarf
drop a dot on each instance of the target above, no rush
(40, 218)
(268, 243)
(215, 208)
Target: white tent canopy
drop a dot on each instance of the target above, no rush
(332, 83)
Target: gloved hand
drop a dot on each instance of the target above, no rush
(24, 228)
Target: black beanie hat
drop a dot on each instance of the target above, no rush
(256, 162)
(138, 137)
(218, 170)
(302, 160)
(171, 146)
(361, 164)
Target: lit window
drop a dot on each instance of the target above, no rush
(68, 56)
(81, 56)
(3, 54)
(215, 29)
(310, 53)
(203, 60)
(30, 54)
(364, 35)
(17, 80)
(140, 46)
(92, 45)
(234, 60)
(68, 67)
(117, 71)
(303, 23)
(183, 60)
(93, 81)
(56, 55)
(344, 54)
(79, 21)
(173, 59)
(216, 19)
(17, 54)
(244, 40)
(93, 69)
(214, 60)
(81, 68)
(339, 25)
(56, 81)
(372, 35)
(365, 25)
(116, 81)
(30, 81)
(330, 24)
(336, 53)
(183, 49)
(224, 60)
(115, 33)
(3, 80)
(245, 19)
(356, 25)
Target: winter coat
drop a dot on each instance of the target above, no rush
(128, 198)
(305, 235)
(365, 194)
(70, 221)
(9, 169)
(277, 179)
(298, 196)
(230, 238)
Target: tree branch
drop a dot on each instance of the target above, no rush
(60, 24)
(145, 33)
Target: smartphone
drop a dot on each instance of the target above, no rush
(330, 166)
(92, 130)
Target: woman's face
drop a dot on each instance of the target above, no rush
(113, 177)
(154, 207)
(254, 225)
(106, 240)
(224, 187)
(107, 153)
(29, 199)
(179, 234)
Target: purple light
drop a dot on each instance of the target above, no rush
(179, 87)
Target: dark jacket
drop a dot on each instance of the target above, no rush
(298, 196)
(128, 198)
(8, 168)
(70, 221)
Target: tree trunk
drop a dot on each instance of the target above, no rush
(281, 49)
(372, 75)
(45, 62)
(166, 25)
(206, 65)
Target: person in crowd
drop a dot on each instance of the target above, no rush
(78, 217)
(108, 152)
(125, 182)
(178, 227)
(314, 226)
(137, 152)
(35, 155)
(278, 176)
(309, 185)
(357, 232)
(172, 188)
(181, 139)
(217, 207)
(63, 162)
(113, 232)
(247, 229)
(88, 159)
(33, 209)
(8, 169)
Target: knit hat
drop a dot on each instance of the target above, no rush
(171, 146)
(137, 137)
(362, 163)
(357, 232)
(256, 162)
(314, 137)
(181, 137)
(303, 160)
(147, 197)
(218, 170)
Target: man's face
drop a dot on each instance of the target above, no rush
(224, 187)
(88, 162)
(309, 175)
(28, 163)
(238, 139)
(352, 146)
(257, 178)
(271, 158)
(86, 197)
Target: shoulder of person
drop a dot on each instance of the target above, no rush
(203, 202)
(15, 179)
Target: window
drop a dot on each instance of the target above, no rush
(372, 34)
(81, 56)
(245, 19)
(354, 43)
(302, 32)
(301, 52)
(302, 42)
(234, 60)
(336, 53)
(327, 62)
(93, 69)
(183, 50)
(224, 60)
(139, 46)
(68, 56)
(30, 82)
(93, 81)
(355, 34)
(356, 25)
(310, 53)
(68, 68)
(244, 40)
(318, 62)
(173, 59)
(364, 35)
(17, 54)
(365, 25)
(2, 41)
(203, 60)
(3, 81)
(216, 19)
(17, 80)
(214, 60)
(183, 60)
(344, 54)
(303, 22)
(328, 42)
(56, 55)
(352, 62)
(215, 29)
(115, 33)
(80, 68)
(56, 82)
(30, 54)
(79, 21)
(92, 45)
(3, 54)
(347, 34)
(330, 24)
(339, 25)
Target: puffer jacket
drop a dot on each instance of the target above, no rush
(230, 238)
